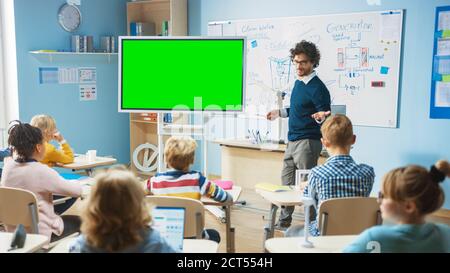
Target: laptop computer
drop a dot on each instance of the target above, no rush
(169, 221)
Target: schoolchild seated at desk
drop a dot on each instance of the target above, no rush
(340, 176)
(408, 194)
(23, 171)
(179, 154)
(54, 156)
(117, 219)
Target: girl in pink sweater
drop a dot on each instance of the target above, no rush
(24, 171)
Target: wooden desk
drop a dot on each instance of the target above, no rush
(235, 192)
(81, 163)
(33, 243)
(278, 200)
(248, 164)
(189, 246)
(322, 244)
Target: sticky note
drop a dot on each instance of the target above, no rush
(446, 78)
(445, 33)
(254, 44)
(384, 70)
(377, 84)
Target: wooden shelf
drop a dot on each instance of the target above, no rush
(72, 56)
(155, 11)
(144, 121)
(146, 2)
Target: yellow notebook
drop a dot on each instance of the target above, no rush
(272, 187)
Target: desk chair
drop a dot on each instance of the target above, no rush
(18, 206)
(348, 216)
(195, 212)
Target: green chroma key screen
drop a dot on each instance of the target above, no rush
(182, 74)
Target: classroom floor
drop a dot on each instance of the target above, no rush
(248, 221)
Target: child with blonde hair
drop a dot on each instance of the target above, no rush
(179, 154)
(407, 196)
(117, 218)
(340, 176)
(53, 156)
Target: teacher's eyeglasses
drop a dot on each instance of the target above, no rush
(300, 63)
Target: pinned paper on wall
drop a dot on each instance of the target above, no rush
(442, 96)
(88, 92)
(444, 21)
(67, 75)
(384, 70)
(440, 75)
(442, 65)
(48, 75)
(391, 26)
(87, 74)
(229, 29)
(443, 48)
(215, 30)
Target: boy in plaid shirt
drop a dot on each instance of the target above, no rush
(340, 176)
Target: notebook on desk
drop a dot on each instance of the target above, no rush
(224, 184)
(169, 221)
(72, 176)
(272, 187)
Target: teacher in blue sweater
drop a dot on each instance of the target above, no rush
(309, 106)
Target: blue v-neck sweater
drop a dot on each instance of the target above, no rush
(307, 99)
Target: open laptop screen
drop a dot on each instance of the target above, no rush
(169, 221)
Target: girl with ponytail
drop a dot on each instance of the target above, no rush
(24, 171)
(407, 196)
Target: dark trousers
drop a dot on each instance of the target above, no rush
(72, 225)
(299, 155)
(61, 208)
(209, 234)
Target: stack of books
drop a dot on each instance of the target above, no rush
(272, 187)
(82, 43)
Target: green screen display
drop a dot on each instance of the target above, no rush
(182, 74)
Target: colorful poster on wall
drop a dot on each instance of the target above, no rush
(48, 75)
(67, 75)
(88, 92)
(87, 75)
(440, 82)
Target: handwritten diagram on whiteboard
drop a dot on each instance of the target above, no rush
(360, 60)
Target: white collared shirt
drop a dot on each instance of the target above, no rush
(306, 79)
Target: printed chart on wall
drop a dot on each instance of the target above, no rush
(360, 60)
(440, 84)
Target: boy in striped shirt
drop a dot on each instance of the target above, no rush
(179, 181)
(340, 176)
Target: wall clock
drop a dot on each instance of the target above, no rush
(69, 17)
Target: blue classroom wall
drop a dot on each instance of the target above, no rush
(418, 139)
(86, 125)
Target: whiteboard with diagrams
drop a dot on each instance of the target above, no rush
(360, 60)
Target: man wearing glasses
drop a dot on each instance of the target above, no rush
(309, 106)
